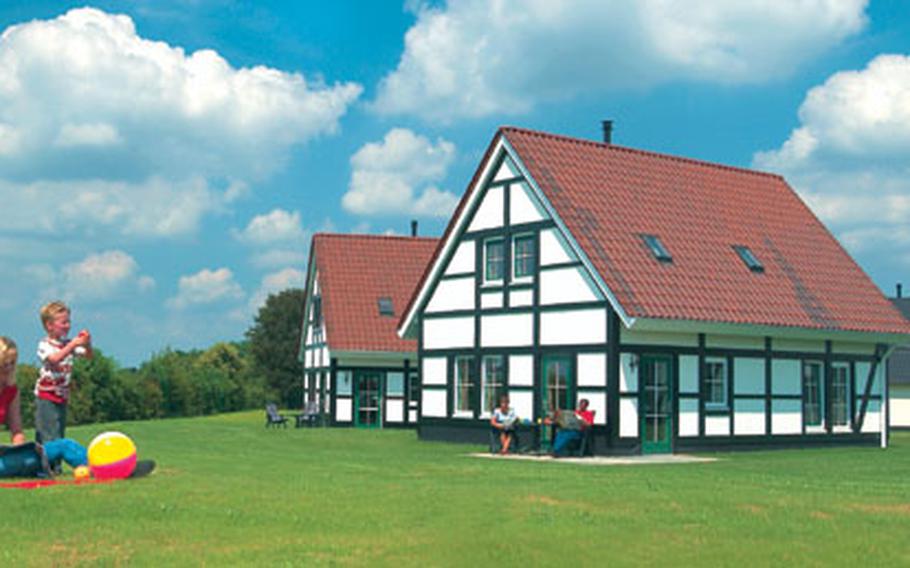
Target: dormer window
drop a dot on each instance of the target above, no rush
(749, 258)
(385, 307)
(657, 248)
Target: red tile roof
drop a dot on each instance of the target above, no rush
(608, 196)
(354, 272)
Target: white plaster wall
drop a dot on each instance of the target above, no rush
(463, 259)
(491, 299)
(522, 402)
(872, 421)
(748, 376)
(326, 357)
(575, 326)
(521, 370)
(842, 347)
(434, 371)
(657, 338)
(628, 418)
(566, 285)
(592, 369)
(628, 378)
(455, 294)
(433, 403)
(717, 425)
(507, 330)
(394, 410)
(786, 376)
(688, 418)
(445, 333)
(519, 298)
(688, 374)
(343, 409)
(597, 402)
(506, 171)
(734, 342)
(523, 206)
(308, 359)
(786, 417)
(489, 214)
(412, 416)
(899, 409)
(798, 345)
(749, 417)
(553, 248)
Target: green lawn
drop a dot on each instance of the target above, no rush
(229, 492)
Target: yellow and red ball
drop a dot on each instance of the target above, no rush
(112, 455)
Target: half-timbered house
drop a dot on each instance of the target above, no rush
(356, 369)
(694, 305)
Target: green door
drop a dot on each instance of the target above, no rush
(368, 399)
(556, 389)
(656, 403)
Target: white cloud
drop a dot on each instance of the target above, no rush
(138, 129)
(155, 207)
(386, 176)
(474, 58)
(847, 158)
(205, 287)
(274, 283)
(279, 257)
(277, 226)
(103, 275)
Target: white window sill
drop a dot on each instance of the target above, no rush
(462, 414)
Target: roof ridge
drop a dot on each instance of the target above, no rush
(371, 236)
(651, 153)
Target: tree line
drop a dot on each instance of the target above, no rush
(226, 377)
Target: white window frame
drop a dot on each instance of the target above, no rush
(725, 382)
(820, 427)
(847, 398)
(502, 277)
(526, 277)
(485, 411)
(472, 384)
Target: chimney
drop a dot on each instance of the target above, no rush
(608, 131)
(413, 227)
(900, 290)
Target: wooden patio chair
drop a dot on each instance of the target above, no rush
(273, 418)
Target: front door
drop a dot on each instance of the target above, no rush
(368, 399)
(656, 404)
(556, 388)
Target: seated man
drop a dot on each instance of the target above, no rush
(503, 422)
(572, 426)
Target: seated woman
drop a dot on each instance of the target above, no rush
(572, 426)
(503, 423)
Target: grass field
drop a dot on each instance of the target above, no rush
(229, 492)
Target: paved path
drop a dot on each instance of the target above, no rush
(602, 460)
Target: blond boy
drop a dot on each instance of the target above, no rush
(56, 352)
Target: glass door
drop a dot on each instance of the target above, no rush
(368, 399)
(556, 390)
(656, 404)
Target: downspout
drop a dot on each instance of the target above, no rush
(883, 415)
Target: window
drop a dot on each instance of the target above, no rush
(385, 307)
(317, 310)
(716, 383)
(464, 384)
(813, 389)
(523, 257)
(413, 387)
(494, 260)
(749, 258)
(840, 401)
(657, 248)
(344, 383)
(394, 384)
(493, 382)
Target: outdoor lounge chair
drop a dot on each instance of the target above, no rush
(273, 418)
(310, 415)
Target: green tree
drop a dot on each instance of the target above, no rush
(274, 338)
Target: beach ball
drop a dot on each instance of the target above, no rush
(112, 455)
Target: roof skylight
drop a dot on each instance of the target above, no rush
(657, 248)
(385, 307)
(749, 258)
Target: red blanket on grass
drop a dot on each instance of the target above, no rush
(36, 483)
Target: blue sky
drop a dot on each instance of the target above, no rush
(163, 163)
